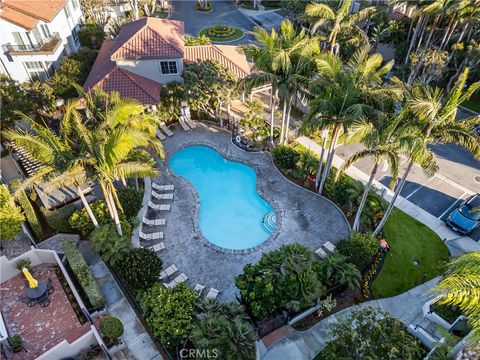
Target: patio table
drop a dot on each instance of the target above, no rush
(35, 293)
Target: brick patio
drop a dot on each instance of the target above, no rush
(40, 327)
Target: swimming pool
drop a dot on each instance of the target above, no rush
(232, 214)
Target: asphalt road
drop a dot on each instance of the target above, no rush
(224, 12)
(457, 178)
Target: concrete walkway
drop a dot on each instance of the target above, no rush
(456, 244)
(304, 345)
(138, 342)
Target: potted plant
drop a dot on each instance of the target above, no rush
(16, 342)
(111, 329)
(24, 263)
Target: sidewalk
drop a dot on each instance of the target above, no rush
(304, 345)
(138, 342)
(456, 244)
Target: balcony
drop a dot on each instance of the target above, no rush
(48, 46)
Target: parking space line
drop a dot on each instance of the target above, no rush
(455, 184)
(419, 187)
(451, 206)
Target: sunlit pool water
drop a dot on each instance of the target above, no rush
(232, 214)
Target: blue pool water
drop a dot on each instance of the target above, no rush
(231, 211)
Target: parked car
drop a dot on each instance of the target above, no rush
(466, 216)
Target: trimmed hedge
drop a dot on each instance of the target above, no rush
(28, 211)
(82, 273)
(139, 269)
(58, 219)
(111, 327)
(131, 200)
(359, 249)
(285, 156)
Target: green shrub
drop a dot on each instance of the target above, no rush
(285, 156)
(91, 36)
(111, 327)
(340, 192)
(169, 312)
(58, 219)
(200, 40)
(131, 200)
(140, 269)
(81, 222)
(359, 249)
(82, 273)
(28, 211)
(106, 241)
(11, 217)
(16, 341)
(24, 263)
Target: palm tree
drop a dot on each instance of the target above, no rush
(336, 21)
(345, 93)
(430, 119)
(280, 59)
(338, 271)
(63, 165)
(349, 276)
(461, 286)
(382, 144)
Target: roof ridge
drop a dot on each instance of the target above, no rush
(226, 57)
(31, 14)
(162, 38)
(129, 73)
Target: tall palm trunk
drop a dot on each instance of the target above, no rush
(331, 153)
(356, 223)
(414, 37)
(424, 28)
(287, 125)
(272, 114)
(320, 162)
(105, 192)
(87, 207)
(394, 198)
(446, 38)
(284, 114)
(116, 218)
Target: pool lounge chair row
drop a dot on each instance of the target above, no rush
(322, 250)
(152, 236)
(156, 247)
(160, 207)
(186, 123)
(168, 187)
(165, 130)
(154, 222)
(159, 196)
(212, 293)
(178, 280)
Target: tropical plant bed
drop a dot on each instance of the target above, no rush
(417, 255)
(447, 312)
(207, 8)
(351, 298)
(222, 33)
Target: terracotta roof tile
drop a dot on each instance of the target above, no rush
(106, 74)
(232, 57)
(149, 38)
(27, 13)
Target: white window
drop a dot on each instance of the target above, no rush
(45, 31)
(75, 36)
(35, 70)
(75, 4)
(168, 67)
(66, 10)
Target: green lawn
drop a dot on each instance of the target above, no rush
(410, 240)
(472, 104)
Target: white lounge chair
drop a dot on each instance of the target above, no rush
(159, 196)
(166, 130)
(321, 253)
(329, 246)
(161, 207)
(199, 289)
(168, 187)
(183, 124)
(151, 236)
(190, 123)
(169, 271)
(169, 285)
(154, 222)
(212, 293)
(158, 247)
(160, 135)
(180, 279)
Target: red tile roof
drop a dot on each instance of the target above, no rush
(149, 38)
(106, 74)
(232, 57)
(27, 13)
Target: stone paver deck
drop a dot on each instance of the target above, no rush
(40, 327)
(303, 216)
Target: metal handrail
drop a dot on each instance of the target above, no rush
(32, 48)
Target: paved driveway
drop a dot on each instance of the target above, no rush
(302, 216)
(224, 12)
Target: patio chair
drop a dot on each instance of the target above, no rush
(321, 253)
(154, 222)
(190, 123)
(166, 130)
(169, 271)
(199, 289)
(50, 288)
(161, 207)
(158, 196)
(329, 246)
(26, 300)
(180, 279)
(44, 301)
(212, 293)
(183, 124)
(168, 187)
(169, 285)
(158, 247)
(160, 135)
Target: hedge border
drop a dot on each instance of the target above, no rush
(29, 211)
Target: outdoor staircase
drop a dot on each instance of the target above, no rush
(123, 354)
(269, 222)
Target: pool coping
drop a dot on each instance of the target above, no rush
(225, 154)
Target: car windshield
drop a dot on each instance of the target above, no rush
(470, 211)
